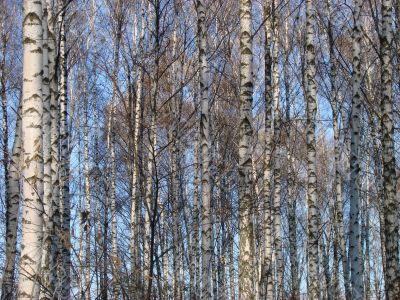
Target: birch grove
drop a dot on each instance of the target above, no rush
(170, 149)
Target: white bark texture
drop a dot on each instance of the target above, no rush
(65, 206)
(86, 214)
(246, 238)
(48, 268)
(115, 260)
(135, 263)
(12, 208)
(204, 152)
(54, 140)
(266, 288)
(277, 159)
(357, 289)
(390, 205)
(312, 205)
(32, 169)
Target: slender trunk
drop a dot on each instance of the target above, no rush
(390, 206)
(115, 260)
(32, 169)
(367, 226)
(54, 140)
(266, 288)
(12, 208)
(48, 268)
(174, 157)
(149, 196)
(87, 211)
(152, 131)
(3, 95)
(246, 238)
(195, 255)
(277, 160)
(65, 208)
(81, 211)
(232, 285)
(295, 282)
(135, 202)
(354, 230)
(164, 247)
(312, 205)
(204, 152)
(11, 204)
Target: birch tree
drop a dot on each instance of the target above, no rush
(354, 231)
(135, 263)
(277, 156)
(54, 140)
(48, 267)
(205, 152)
(115, 260)
(65, 205)
(12, 208)
(392, 270)
(245, 178)
(32, 169)
(189, 188)
(311, 110)
(266, 289)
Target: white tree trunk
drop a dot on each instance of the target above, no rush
(174, 158)
(266, 288)
(149, 196)
(48, 267)
(135, 201)
(390, 206)
(195, 255)
(204, 136)
(354, 230)
(277, 157)
(54, 140)
(246, 238)
(87, 212)
(312, 205)
(65, 207)
(12, 208)
(32, 170)
(115, 260)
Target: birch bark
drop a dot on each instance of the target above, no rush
(246, 238)
(54, 140)
(48, 267)
(277, 158)
(204, 152)
(12, 208)
(266, 290)
(354, 230)
(312, 205)
(115, 260)
(65, 205)
(32, 169)
(390, 206)
(135, 263)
